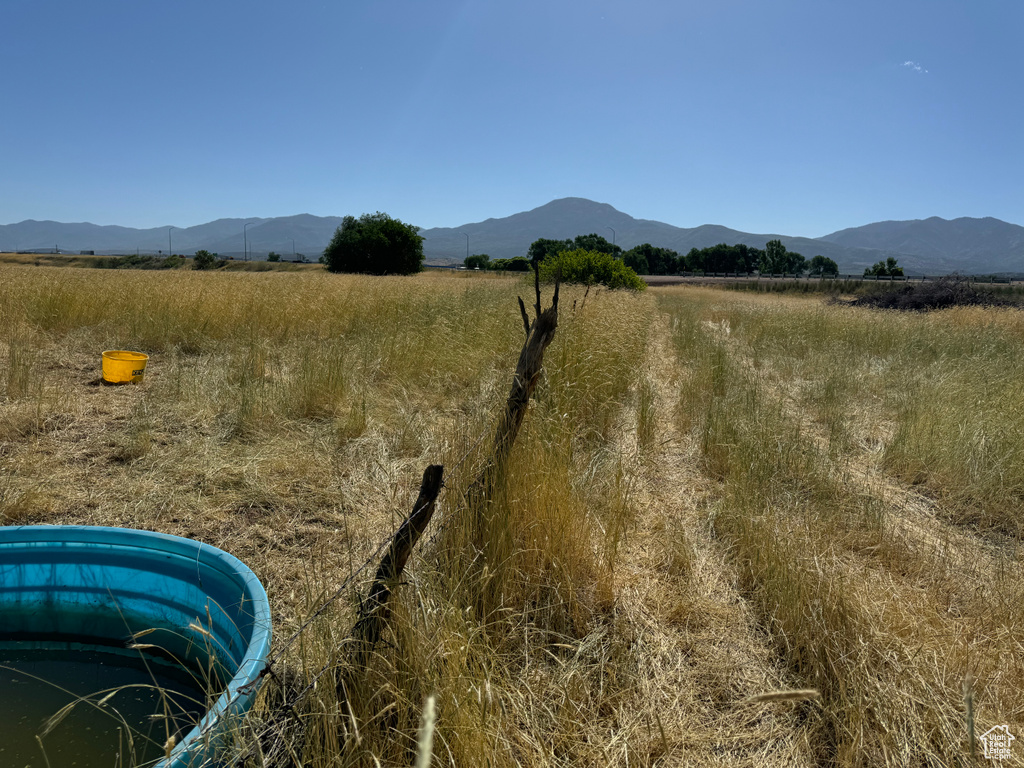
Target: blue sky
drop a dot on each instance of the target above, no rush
(789, 116)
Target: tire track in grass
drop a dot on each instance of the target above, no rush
(701, 650)
(970, 565)
(971, 580)
(867, 592)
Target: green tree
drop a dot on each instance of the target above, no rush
(541, 248)
(723, 258)
(775, 259)
(477, 261)
(692, 261)
(823, 266)
(655, 260)
(591, 268)
(594, 242)
(204, 260)
(888, 268)
(637, 261)
(746, 258)
(273, 256)
(375, 244)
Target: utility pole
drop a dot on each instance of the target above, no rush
(245, 240)
(613, 240)
(467, 243)
(169, 251)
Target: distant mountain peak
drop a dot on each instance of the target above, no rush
(579, 205)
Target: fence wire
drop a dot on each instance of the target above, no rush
(269, 668)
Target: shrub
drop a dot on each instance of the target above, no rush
(204, 260)
(130, 261)
(589, 268)
(950, 291)
(133, 261)
(515, 264)
(273, 256)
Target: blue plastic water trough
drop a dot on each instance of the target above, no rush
(81, 587)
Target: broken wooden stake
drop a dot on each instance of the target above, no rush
(375, 613)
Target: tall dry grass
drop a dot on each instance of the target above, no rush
(800, 409)
(286, 418)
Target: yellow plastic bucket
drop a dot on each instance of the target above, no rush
(123, 367)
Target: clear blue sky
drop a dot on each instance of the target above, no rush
(792, 116)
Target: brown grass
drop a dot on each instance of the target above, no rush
(721, 504)
(884, 605)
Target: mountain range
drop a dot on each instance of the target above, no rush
(922, 246)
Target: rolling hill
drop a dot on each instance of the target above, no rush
(966, 245)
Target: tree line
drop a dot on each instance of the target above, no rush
(379, 244)
(647, 259)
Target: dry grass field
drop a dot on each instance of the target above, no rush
(738, 529)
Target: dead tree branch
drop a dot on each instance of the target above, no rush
(526, 317)
(539, 335)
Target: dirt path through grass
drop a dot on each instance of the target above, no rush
(704, 650)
